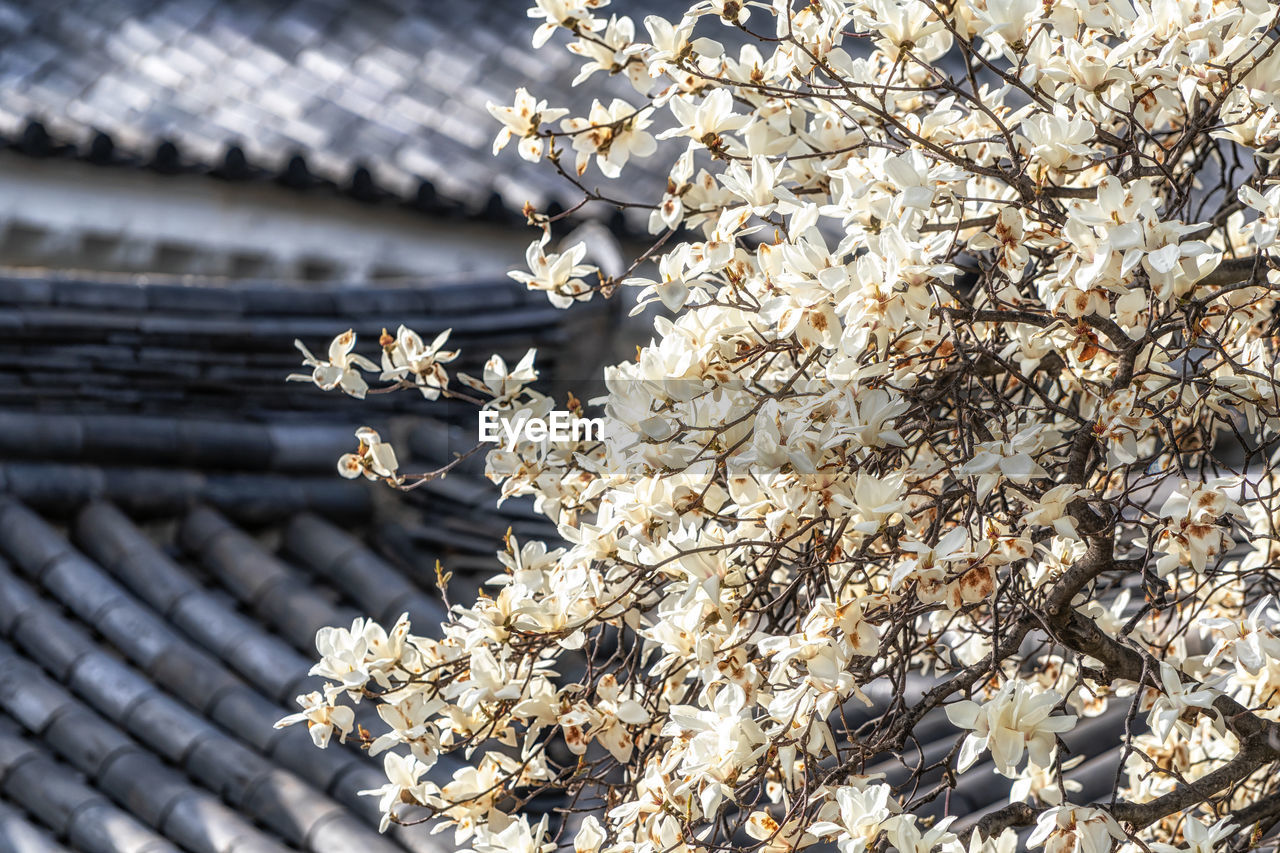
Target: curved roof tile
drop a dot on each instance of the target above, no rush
(66, 803)
(19, 835)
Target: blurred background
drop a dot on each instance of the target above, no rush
(312, 140)
(191, 184)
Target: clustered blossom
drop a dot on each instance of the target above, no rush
(406, 357)
(960, 407)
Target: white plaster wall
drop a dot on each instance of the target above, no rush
(70, 215)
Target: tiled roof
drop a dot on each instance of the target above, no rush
(377, 98)
(144, 682)
(147, 647)
(166, 556)
(77, 345)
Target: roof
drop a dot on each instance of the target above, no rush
(167, 560)
(172, 535)
(68, 344)
(377, 98)
(142, 669)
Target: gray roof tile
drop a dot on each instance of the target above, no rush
(66, 655)
(321, 77)
(247, 769)
(80, 736)
(374, 584)
(284, 601)
(20, 835)
(102, 828)
(63, 801)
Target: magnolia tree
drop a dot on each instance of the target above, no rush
(962, 409)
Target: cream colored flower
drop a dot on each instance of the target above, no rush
(1014, 720)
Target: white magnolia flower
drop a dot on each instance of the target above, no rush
(560, 276)
(907, 836)
(516, 837)
(1014, 720)
(909, 174)
(342, 370)
(1057, 140)
(321, 718)
(907, 26)
(614, 134)
(1009, 20)
(1194, 533)
(501, 384)
(406, 357)
(524, 120)
(757, 186)
(1075, 829)
(573, 15)
(1199, 837)
(861, 814)
(590, 836)
(1175, 700)
(375, 459)
(669, 42)
(704, 122)
(613, 50)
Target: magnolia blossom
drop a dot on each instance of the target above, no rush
(574, 15)
(342, 370)
(523, 120)
(614, 134)
(1075, 829)
(517, 837)
(404, 785)
(375, 459)
(406, 357)
(704, 122)
(1175, 700)
(1014, 720)
(1199, 837)
(322, 719)
(860, 816)
(501, 383)
(559, 275)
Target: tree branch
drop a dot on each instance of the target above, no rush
(1235, 270)
(1144, 814)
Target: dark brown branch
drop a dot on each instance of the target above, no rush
(1235, 271)
(1144, 814)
